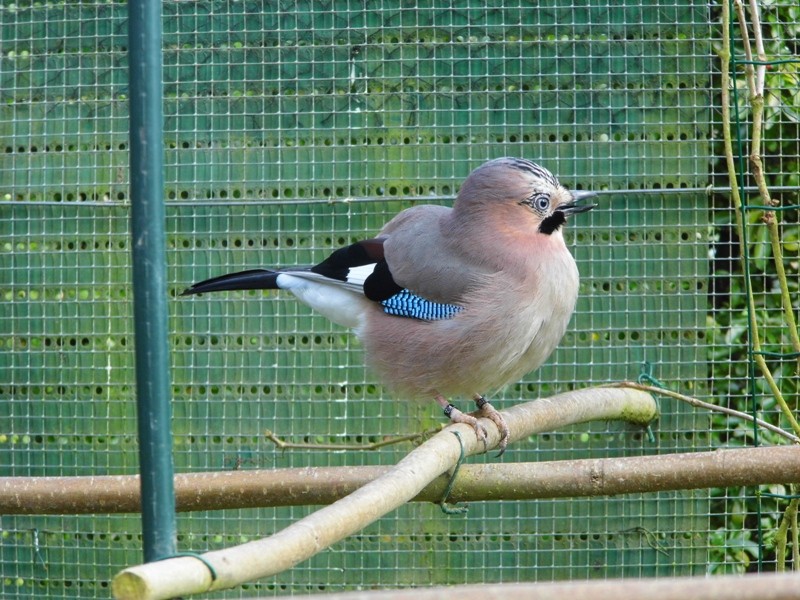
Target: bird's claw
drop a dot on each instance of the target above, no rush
(486, 410)
(456, 416)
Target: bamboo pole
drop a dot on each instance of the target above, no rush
(261, 558)
(474, 483)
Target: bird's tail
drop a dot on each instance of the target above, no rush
(255, 279)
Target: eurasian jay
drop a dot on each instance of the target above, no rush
(451, 301)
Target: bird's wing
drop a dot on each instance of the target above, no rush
(362, 268)
(425, 256)
(337, 286)
(348, 268)
(417, 251)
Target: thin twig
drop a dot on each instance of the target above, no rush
(755, 160)
(748, 51)
(795, 540)
(761, 70)
(708, 406)
(789, 518)
(771, 221)
(756, 85)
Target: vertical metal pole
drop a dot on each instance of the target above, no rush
(149, 279)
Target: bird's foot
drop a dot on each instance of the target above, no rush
(486, 410)
(456, 416)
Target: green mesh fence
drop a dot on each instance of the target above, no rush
(295, 127)
(763, 95)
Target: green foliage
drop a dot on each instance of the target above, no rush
(743, 530)
(732, 551)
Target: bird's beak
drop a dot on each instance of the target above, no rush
(573, 208)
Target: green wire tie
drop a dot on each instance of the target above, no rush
(777, 496)
(646, 377)
(649, 537)
(446, 508)
(199, 557)
(779, 355)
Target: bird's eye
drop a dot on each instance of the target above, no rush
(541, 202)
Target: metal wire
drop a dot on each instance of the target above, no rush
(753, 348)
(296, 127)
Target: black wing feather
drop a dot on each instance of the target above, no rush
(337, 265)
(379, 286)
(255, 279)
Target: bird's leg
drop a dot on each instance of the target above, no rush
(490, 412)
(456, 416)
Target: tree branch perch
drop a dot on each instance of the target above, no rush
(475, 483)
(769, 586)
(309, 536)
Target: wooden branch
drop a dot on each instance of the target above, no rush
(737, 414)
(261, 558)
(411, 437)
(475, 483)
(612, 476)
(770, 586)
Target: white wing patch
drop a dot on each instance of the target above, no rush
(358, 275)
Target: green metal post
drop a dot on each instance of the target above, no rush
(149, 279)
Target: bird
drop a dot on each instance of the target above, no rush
(451, 302)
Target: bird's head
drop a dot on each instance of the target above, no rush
(522, 193)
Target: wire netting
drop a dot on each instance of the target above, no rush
(292, 128)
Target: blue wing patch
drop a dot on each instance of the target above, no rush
(407, 304)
